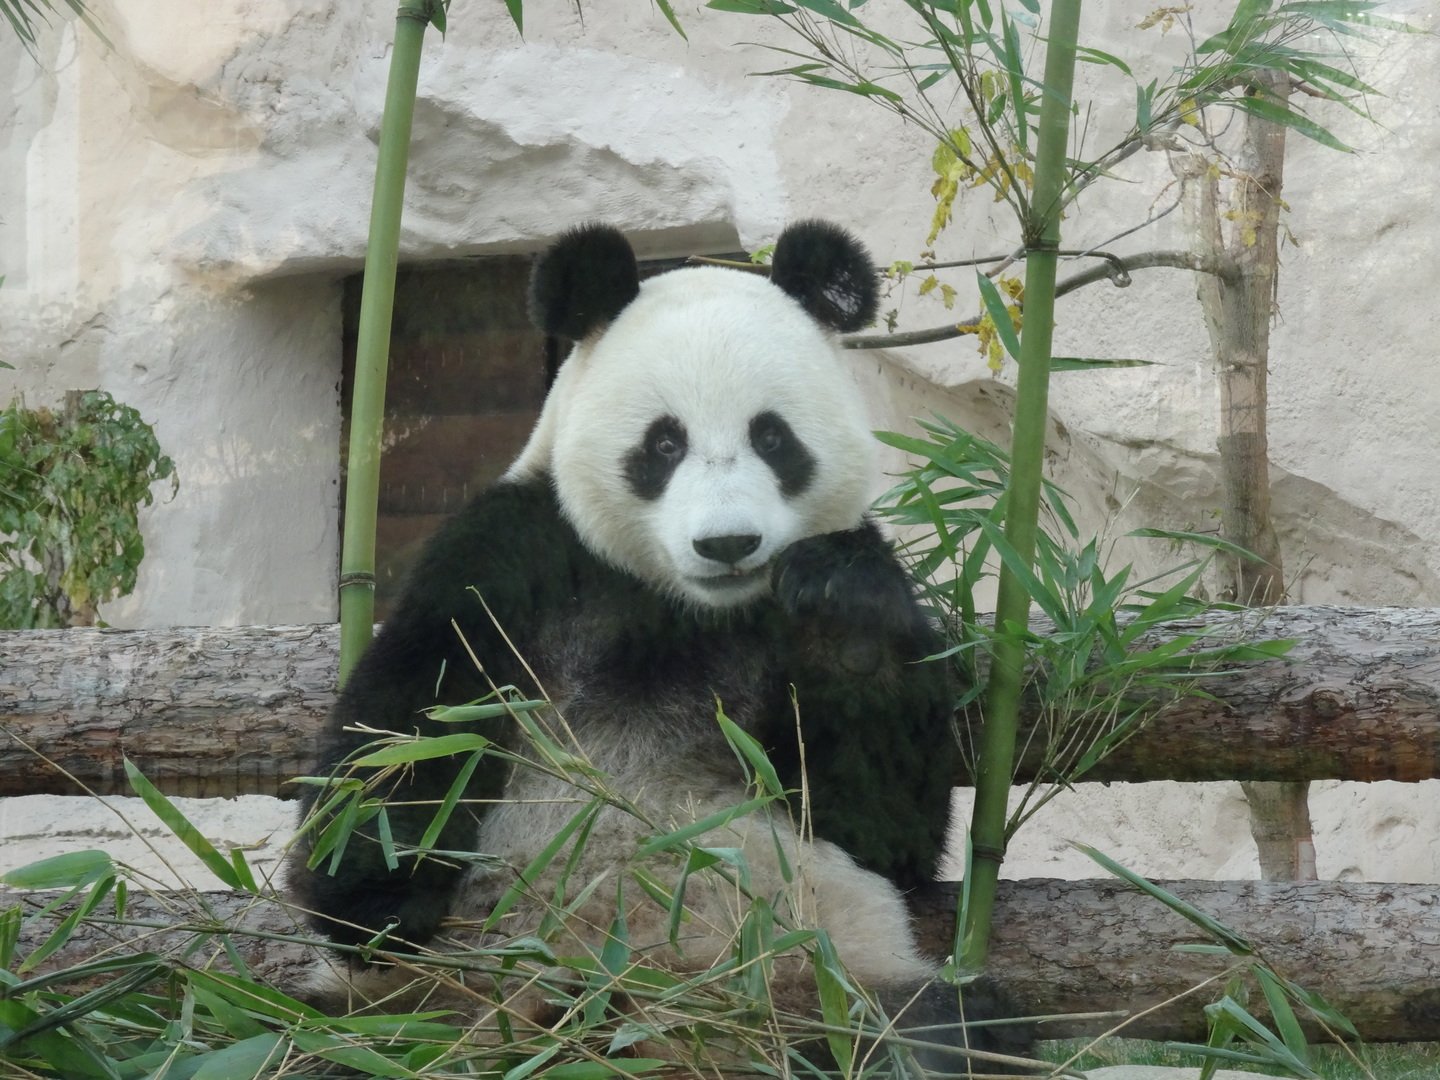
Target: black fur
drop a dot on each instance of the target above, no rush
(843, 631)
(829, 272)
(776, 444)
(650, 465)
(583, 281)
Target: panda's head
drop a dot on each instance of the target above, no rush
(704, 421)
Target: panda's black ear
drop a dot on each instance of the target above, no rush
(829, 272)
(583, 281)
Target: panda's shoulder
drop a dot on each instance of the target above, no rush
(506, 510)
(509, 533)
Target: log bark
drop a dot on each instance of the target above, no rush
(1373, 950)
(222, 711)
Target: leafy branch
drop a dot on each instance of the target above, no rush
(71, 487)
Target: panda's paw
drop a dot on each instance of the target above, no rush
(397, 916)
(849, 579)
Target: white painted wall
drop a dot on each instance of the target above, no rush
(175, 215)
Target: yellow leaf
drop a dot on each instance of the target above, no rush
(938, 222)
(943, 160)
(1164, 17)
(947, 297)
(928, 285)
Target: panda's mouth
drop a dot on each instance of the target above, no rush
(735, 580)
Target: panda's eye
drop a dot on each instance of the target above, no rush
(777, 445)
(650, 464)
(768, 440)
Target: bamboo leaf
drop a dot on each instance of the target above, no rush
(834, 991)
(671, 840)
(74, 869)
(1215, 543)
(424, 749)
(431, 836)
(1049, 603)
(1264, 109)
(608, 1069)
(1095, 56)
(249, 1057)
(1281, 1014)
(182, 827)
(668, 11)
(1221, 933)
(749, 751)
(264, 1000)
(1077, 363)
(489, 710)
(829, 9)
(1015, 71)
(516, 8)
(750, 7)
(539, 863)
(864, 87)
(61, 934)
(1339, 13)
(999, 314)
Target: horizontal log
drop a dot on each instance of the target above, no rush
(221, 711)
(1059, 947)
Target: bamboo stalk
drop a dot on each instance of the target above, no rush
(372, 349)
(1012, 608)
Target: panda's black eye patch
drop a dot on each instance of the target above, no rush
(772, 439)
(649, 466)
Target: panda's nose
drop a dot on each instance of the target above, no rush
(727, 549)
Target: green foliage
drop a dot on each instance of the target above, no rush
(1095, 677)
(964, 72)
(25, 17)
(1236, 1036)
(176, 1000)
(970, 57)
(71, 486)
(1387, 1061)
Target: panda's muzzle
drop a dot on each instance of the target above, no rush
(729, 550)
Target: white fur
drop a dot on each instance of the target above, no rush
(713, 348)
(668, 786)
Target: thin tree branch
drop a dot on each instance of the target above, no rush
(1114, 268)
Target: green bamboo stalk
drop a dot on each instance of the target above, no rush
(1012, 607)
(372, 349)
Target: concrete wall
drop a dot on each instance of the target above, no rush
(176, 213)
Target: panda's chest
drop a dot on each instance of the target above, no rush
(622, 674)
(635, 701)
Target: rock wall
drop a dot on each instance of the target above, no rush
(176, 214)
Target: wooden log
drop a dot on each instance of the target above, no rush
(1373, 950)
(223, 711)
(203, 711)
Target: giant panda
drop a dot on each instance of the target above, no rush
(686, 530)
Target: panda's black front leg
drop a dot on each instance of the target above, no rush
(879, 752)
